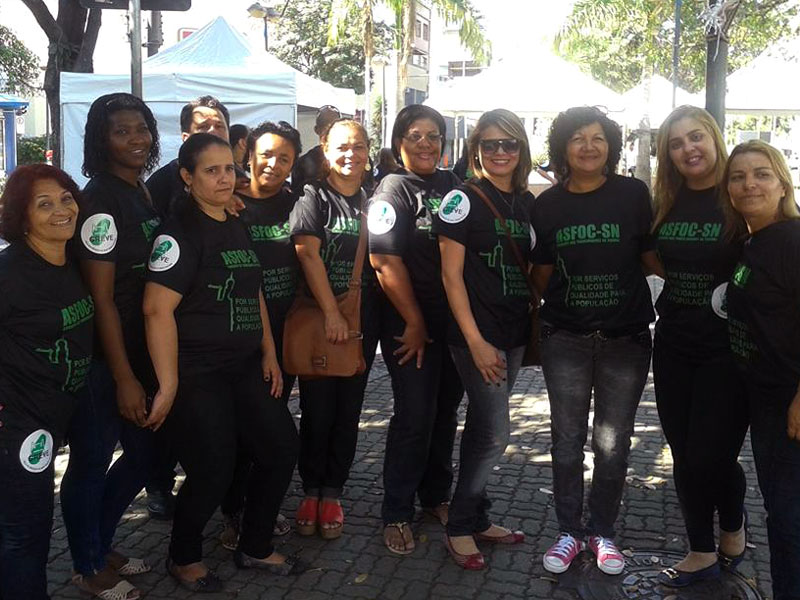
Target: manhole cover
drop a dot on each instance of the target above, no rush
(638, 581)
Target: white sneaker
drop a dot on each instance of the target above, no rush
(561, 554)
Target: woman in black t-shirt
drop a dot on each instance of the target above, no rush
(45, 349)
(426, 386)
(115, 228)
(764, 327)
(592, 236)
(325, 227)
(268, 201)
(699, 393)
(209, 335)
(489, 299)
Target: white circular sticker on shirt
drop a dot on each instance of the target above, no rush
(533, 237)
(719, 300)
(454, 207)
(36, 452)
(381, 218)
(165, 254)
(99, 233)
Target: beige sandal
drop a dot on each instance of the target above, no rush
(401, 528)
(121, 591)
(134, 566)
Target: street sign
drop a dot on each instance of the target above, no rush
(163, 5)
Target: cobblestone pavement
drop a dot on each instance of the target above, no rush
(358, 566)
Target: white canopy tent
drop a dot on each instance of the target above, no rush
(769, 85)
(660, 103)
(216, 60)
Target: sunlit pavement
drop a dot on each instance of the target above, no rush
(650, 527)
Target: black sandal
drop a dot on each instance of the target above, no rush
(207, 584)
(293, 565)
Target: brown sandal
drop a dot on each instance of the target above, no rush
(440, 512)
(408, 541)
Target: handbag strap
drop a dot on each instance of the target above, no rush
(521, 262)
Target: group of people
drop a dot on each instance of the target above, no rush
(152, 315)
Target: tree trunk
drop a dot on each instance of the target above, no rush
(643, 155)
(72, 36)
(408, 30)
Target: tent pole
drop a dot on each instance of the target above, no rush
(135, 18)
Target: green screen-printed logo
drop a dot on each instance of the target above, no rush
(59, 355)
(224, 293)
(99, 233)
(346, 225)
(270, 233)
(160, 250)
(76, 313)
(591, 233)
(740, 275)
(36, 451)
(149, 228)
(689, 231)
(237, 259)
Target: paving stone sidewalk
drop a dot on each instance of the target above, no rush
(358, 566)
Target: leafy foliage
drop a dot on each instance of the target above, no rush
(19, 67)
(620, 40)
(302, 42)
(30, 150)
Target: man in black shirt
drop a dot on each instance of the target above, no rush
(203, 115)
(308, 167)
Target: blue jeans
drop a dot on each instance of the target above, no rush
(616, 369)
(26, 518)
(94, 497)
(777, 459)
(486, 433)
(419, 443)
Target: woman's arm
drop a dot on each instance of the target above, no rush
(651, 264)
(131, 397)
(307, 248)
(540, 274)
(394, 279)
(159, 307)
(269, 355)
(487, 359)
(793, 417)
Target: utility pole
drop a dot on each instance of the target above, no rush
(155, 35)
(135, 19)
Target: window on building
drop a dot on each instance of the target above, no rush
(419, 29)
(463, 68)
(426, 33)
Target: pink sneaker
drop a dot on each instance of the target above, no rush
(561, 554)
(609, 559)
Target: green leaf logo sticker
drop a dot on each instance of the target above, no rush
(455, 207)
(99, 233)
(36, 451)
(741, 275)
(165, 253)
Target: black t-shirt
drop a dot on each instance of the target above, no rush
(764, 306)
(698, 261)
(167, 189)
(595, 241)
(46, 320)
(336, 220)
(496, 287)
(117, 224)
(267, 221)
(308, 169)
(212, 265)
(400, 216)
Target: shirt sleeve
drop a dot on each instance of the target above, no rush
(647, 240)
(543, 250)
(790, 275)
(452, 220)
(173, 261)
(308, 217)
(99, 224)
(389, 217)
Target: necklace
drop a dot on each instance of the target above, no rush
(499, 194)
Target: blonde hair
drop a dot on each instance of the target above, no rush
(668, 179)
(735, 225)
(511, 125)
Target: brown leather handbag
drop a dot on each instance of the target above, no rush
(531, 356)
(306, 349)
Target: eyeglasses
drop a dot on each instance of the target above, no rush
(416, 138)
(509, 145)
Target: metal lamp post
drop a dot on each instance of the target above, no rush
(259, 11)
(381, 62)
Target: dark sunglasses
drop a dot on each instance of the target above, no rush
(509, 145)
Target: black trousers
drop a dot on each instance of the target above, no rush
(331, 408)
(703, 409)
(213, 412)
(419, 444)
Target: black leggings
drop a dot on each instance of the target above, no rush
(212, 412)
(703, 409)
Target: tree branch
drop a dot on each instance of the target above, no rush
(44, 18)
(83, 62)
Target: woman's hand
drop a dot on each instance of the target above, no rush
(793, 418)
(234, 205)
(412, 343)
(490, 362)
(162, 404)
(132, 401)
(272, 373)
(337, 331)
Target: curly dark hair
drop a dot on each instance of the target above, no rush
(281, 128)
(208, 102)
(570, 121)
(18, 194)
(95, 139)
(406, 117)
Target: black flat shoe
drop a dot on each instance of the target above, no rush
(293, 565)
(207, 584)
(729, 563)
(675, 578)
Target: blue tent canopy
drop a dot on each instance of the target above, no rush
(9, 105)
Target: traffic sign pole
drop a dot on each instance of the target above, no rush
(135, 19)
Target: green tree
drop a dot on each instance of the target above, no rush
(72, 35)
(19, 67)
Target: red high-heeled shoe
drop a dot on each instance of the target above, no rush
(307, 513)
(331, 514)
